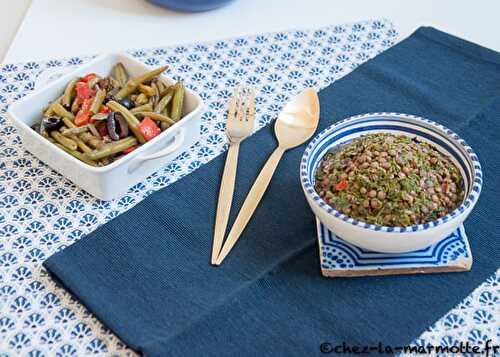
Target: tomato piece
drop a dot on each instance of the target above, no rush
(88, 77)
(341, 185)
(129, 150)
(149, 129)
(87, 104)
(82, 118)
(83, 91)
(83, 115)
(104, 109)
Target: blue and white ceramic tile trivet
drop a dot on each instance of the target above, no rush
(341, 259)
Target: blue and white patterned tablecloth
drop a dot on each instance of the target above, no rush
(41, 212)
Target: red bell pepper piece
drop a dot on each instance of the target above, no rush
(149, 129)
(341, 185)
(87, 103)
(129, 150)
(82, 118)
(83, 115)
(104, 109)
(83, 91)
(88, 77)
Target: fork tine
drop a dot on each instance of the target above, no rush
(231, 111)
(242, 107)
(251, 107)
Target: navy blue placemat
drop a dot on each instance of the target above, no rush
(146, 274)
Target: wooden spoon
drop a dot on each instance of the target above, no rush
(296, 123)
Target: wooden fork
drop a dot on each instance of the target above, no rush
(240, 121)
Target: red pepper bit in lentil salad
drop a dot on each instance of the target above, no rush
(390, 180)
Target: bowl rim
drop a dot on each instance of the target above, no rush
(467, 204)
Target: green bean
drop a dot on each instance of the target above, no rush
(151, 101)
(93, 130)
(81, 144)
(177, 101)
(112, 148)
(68, 123)
(69, 92)
(133, 83)
(75, 131)
(99, 98)
(99, 116)
(82, 138)
(75, 106)
(93, 141)
(164, 82)
(67, 142)
(157, 116)
(120, 73)
(132, 121)
(147, 90)
(62, 112)
(77, 154)
(156, 95)
(160, 85)
(50, 109)
(93, 81)
(141, 99)
(143, 108)
(104, 161)
(162, 104)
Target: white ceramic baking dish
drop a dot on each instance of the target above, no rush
(112, 180)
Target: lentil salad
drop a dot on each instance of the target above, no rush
(390, 180)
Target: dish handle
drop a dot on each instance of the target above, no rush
(175, 145)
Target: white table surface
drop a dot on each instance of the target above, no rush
(11, 17)
(59, 28)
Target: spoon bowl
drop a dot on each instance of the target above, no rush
(298, 119)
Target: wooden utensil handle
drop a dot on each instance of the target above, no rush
(225, 198)
(251, 202)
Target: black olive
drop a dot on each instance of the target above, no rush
(117, 126)
(52, 123)
(108, 98)
(122, 125)
(127, 103)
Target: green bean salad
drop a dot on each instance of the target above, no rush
(100, 119)
(390, 180)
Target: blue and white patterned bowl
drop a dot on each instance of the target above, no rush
(381, 238)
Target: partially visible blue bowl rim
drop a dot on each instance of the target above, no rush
(470, 200)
